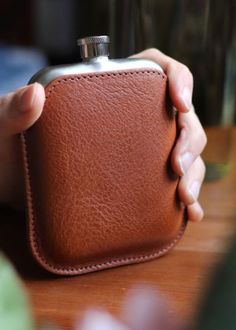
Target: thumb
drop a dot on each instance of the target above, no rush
(20, 109)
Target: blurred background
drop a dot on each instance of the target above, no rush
(199, 33)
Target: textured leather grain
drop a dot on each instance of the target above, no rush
(100, 192)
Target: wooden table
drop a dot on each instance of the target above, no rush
(181, 275)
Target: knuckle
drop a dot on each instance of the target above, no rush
(195, 130)
(203, 166)
(187, 71)
(152, 50)
(204, 138)
(152, 53)
(200, 168)
(201, 163)
(201, 138)
(148, 52)
(182, 70)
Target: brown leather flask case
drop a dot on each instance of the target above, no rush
(99, 187)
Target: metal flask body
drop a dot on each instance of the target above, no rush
(95, 55)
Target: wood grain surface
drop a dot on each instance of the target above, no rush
(181, 276)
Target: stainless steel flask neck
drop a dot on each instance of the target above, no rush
(94, 48)
(94, 52)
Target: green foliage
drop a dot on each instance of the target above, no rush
(14, 308)
(218, 311)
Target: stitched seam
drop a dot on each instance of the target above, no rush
(102, 75)
(36, 245)
(29, 196)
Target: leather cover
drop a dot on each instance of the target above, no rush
(99, 186)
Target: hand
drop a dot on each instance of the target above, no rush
(186, 159)
(18, 111)
(21, 109)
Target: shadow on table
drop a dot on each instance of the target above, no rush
(14, 244)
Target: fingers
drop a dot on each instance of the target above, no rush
(187, 163)
(186, 160)
(179, 77)
(19, 110)
(190, 144)
(192, 139)
(190, 183)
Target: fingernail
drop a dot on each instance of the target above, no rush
(187, 98)
(26, 97)
(185, 161)
(194, 190)
(200, 213)
(195, 212)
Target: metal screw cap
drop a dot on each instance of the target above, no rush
(94, 46)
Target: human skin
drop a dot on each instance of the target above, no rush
(21, 109)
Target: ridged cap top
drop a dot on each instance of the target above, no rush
(94, 46)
